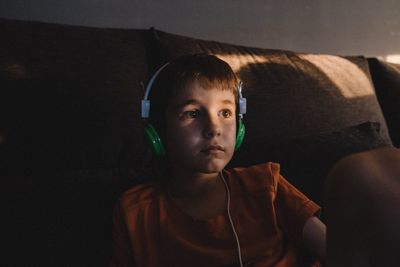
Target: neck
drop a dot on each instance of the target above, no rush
(200, 195)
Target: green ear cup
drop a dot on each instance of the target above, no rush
(240, 134)
(154, 140)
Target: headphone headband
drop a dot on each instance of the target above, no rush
(145, 100)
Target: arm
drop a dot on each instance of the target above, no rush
(297, 218)
(314, 237)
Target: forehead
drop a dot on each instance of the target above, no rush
(210, 95)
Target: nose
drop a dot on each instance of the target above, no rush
(211, 127)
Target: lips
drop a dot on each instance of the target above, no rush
(213, 149)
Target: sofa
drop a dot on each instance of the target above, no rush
(71, 138)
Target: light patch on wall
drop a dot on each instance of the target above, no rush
(347, 76)
(393, 58)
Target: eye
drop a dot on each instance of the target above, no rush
(226, 113)
(190, 114)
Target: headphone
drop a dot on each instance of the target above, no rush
(154, 140)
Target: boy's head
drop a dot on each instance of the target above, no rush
(207, 70)
(193, 109)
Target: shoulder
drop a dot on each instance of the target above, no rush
(139, 195)
(258, 177)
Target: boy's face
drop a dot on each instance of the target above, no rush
(201, 129)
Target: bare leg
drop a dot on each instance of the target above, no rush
(363, 210)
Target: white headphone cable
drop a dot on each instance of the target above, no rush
(230, 218)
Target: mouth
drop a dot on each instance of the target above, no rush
(213, 149)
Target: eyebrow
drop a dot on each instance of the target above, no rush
(227, 101)
(194, 101)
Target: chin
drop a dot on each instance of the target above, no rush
(213, 167)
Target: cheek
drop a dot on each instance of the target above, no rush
(231, 133)
(181, 137)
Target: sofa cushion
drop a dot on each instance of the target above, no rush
(289, 94)
(70, 95)
(386, 78)
(306, 161)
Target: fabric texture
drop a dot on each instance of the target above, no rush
(268, 214)
(289, 94)
(386, 78)
(306, 161)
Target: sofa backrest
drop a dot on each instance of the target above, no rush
(70, 95)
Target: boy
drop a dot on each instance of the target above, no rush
(197, 213)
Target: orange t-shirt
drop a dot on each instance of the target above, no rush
(268, 214)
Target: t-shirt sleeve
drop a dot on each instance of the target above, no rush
(293, 209)
(121, 248)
